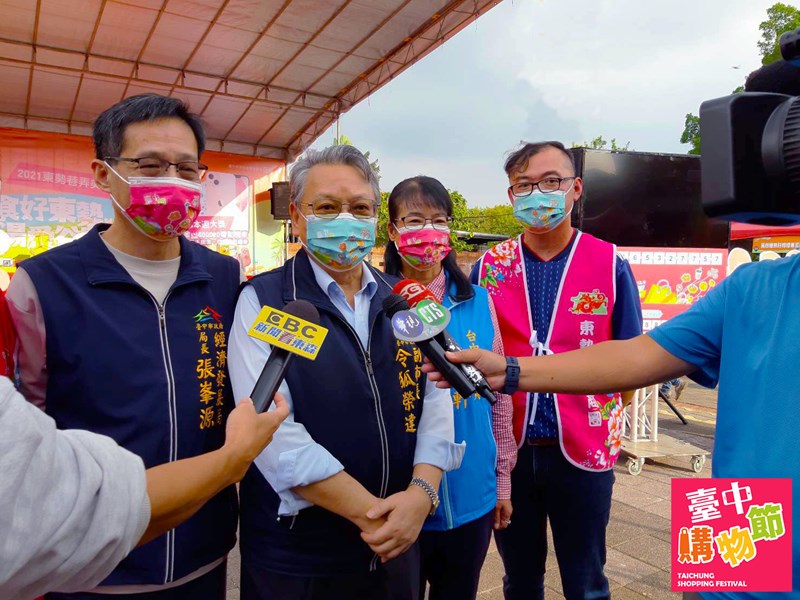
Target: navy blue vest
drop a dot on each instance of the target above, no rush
(361, 404)
(153, 379)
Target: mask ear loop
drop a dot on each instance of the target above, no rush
(114, 171)
(113, 199)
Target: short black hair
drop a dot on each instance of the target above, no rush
(518, 159)
(430, 192)
(108, 131)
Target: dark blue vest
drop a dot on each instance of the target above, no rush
(154, 379)
(362, 404)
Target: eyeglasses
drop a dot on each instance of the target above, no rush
(415, 223)
(190, 170)
(330, 209)
(548, 185)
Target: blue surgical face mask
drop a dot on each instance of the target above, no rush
(542, 212)
(342, 243)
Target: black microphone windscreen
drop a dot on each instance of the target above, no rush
(303, 310)
(779, 77)
(394, 303)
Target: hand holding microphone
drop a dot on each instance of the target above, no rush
(408, 326)
(492, 365)
(415, 293)
(293, 331)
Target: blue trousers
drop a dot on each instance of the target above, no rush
(577, 502)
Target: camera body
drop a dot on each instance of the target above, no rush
(750, 156)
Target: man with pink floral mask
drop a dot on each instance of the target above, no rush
(557, 289)
(123, 332)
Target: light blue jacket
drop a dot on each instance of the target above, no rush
(470, 491)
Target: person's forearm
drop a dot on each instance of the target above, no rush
(603, 368)
(179, 489)
(429, 473)
(343, 495)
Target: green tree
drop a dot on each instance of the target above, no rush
(343, 140)
(691, 133)
(381, 235)
(780, 18)
(498, 220)
(599, 143)
(460, 211)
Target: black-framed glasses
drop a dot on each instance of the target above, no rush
(151, 166)
(548, 185)
(330, 209)
(415, 222)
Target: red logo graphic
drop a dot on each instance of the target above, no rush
(731, 535)
(589, 303)
(207, 315)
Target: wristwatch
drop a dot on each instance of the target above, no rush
(512, 375)
(418, 481)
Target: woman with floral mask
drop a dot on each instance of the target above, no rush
(475, 498)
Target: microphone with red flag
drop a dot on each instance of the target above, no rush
(415, 293)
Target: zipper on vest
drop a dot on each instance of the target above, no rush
(379, 413)
(169, 569)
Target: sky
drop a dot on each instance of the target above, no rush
(568, 70)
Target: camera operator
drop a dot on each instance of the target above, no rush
(743, 335)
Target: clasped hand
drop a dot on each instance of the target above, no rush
(394, 523)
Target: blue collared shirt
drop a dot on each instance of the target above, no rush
(357, 317)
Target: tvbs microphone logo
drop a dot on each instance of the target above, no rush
(288, 332)
(411, 290)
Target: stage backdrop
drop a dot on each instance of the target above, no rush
(671, 279)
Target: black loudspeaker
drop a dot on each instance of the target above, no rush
(279, 201)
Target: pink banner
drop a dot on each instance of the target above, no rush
(731, 535)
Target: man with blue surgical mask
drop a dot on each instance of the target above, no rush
(333, 510)
(558, 289)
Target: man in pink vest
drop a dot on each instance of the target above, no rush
(557, 289)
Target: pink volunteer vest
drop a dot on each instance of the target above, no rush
(589, 427)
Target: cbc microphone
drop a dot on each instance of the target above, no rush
(408, 326)
(293, 331)
(414, 292)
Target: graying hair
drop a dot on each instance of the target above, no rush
(332, 155)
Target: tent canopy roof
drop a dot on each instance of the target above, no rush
(267, 76)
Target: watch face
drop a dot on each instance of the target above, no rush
(434, 506)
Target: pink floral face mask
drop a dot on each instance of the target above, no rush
(162, 208)
(423, 248)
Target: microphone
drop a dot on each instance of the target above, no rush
(293, 331)
(422, 329)
(414, 292)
